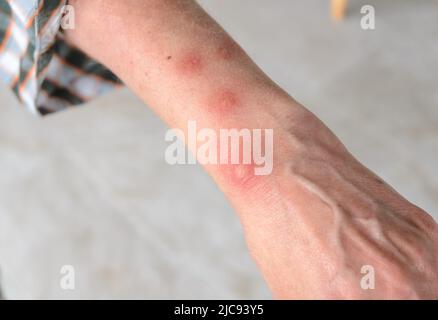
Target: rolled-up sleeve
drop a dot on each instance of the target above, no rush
(43, 70)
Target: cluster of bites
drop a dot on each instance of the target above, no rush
(221, 102)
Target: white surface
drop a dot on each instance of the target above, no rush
(89, 187)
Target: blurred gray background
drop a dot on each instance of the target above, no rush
(89, 187)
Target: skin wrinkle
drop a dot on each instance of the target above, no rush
(404, 256)
(408, 249)
(401, 219)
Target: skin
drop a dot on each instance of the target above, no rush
(321, 215)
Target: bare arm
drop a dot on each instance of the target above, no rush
(320, 216)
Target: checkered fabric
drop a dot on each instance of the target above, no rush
(46, 74)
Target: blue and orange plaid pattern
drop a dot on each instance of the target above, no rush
(46, 73)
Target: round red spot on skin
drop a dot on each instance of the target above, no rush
(190, 64)
(223, 101)
(240, 176)
(228, 49)
(225, 53)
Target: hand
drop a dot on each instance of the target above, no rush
(326, 217)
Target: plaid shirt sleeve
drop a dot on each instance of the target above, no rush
(46, 74)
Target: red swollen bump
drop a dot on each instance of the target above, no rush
(190, 64)
(223, 102)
